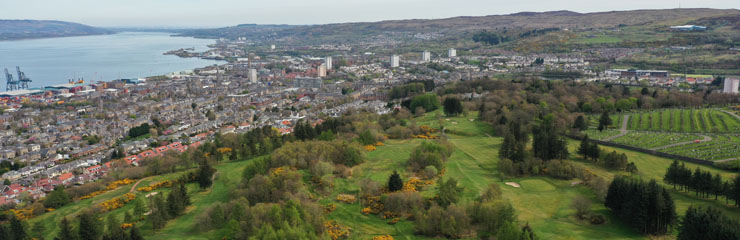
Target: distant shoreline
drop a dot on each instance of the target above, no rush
(107, 72)
(47, 37)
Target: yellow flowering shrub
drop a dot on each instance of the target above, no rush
(155, 186)
(118, 202)
(415, 184)
(372, 204)
(369, 148)
(116, 184)
(329, 208)
(346, 198)
(336, 231)
(383, 237)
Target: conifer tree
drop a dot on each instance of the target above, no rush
(205, 173)
(88, 229)
(394, 182)
(580, 123)
(604, 121)
(134, 233)
(17, 230)
(113, 230)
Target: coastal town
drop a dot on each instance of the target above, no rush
(72, 133)
(367, 120)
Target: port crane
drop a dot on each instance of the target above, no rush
(22, 78)
(11, 83)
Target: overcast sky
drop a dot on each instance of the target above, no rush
(214, 13)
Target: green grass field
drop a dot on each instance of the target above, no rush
(542, 202)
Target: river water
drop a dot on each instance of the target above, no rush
(54, 61)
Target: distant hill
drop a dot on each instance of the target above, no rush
(464, 25)
(253, 31)
(24, 29)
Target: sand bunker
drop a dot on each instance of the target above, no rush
(513, 184)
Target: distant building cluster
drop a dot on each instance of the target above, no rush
(689, 28)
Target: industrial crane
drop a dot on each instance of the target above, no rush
(22, 78)
(11, 84)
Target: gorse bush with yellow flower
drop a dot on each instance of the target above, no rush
(336, 230)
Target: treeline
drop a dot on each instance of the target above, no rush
(162, 210)
(612, 160)
(646, 207)
(557, 74)
(85, 226)
(524, 99)
(490, 38)
(538, 32)
(407, 90)
(323, 131)
(707, 223)
(703, 183)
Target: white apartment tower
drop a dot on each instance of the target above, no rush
(731, 85)
(395, 61)
(452, 53)
(327, 61)
(322, 70)
(426, 56)
(253, 75)
(272, 47)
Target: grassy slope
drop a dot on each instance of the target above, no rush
(542, 202)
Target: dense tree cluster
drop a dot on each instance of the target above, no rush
(57, 198)
(538, 32)
(514, 144)
(490, 38)
(448, 192)
(89, 227)
(406, 90)
(452, 106)
(612, 160)
(647, 207)
(429, 153)
(164, 209)
(523, 99)
(703, 183)
(580, 123)
(304, 131)
(548, 142)
(428, 102)
(707, 223)
(589, 149)
(139, 130)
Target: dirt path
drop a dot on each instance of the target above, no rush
(726, 160)
(622, 130)
(706, 139)
(731, 113)
(136, 184)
